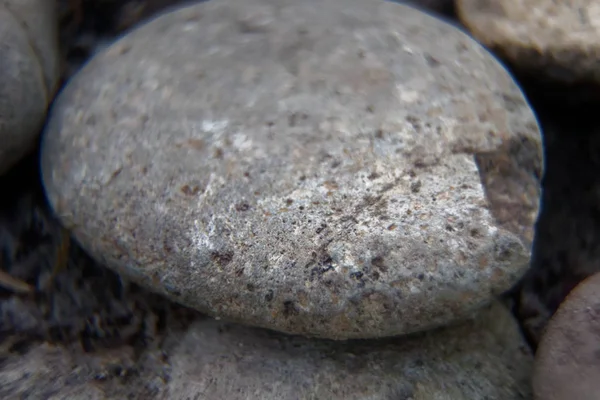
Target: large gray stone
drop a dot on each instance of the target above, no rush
(29, 69)
(483, 359)
(342, 169)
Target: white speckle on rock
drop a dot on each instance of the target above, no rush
(211, 126)
(408, 96)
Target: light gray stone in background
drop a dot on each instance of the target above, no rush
(557, 39)
(341, 169)
(29, 67)
(481, 359)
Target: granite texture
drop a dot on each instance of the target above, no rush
(341, 172)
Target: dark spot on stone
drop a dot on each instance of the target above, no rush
(295, 118)
(379, 263)
(356, 275)
(504, 252)
(247, 174)
(239, 272)
(421, 277)
(461, 47)
(373, 175)
(289, 202)
(222, 258)
(370, 109)
(124, 49)
(414, 121)
(318, 271)
(301, 208)
(331, 185)
(289, 309)
(335, 164)
(375, 275)
(196, 144)
(218, 153)
(475, 233)
(392, 227)
(242, 207)
(172, 290)
(303, 178)
(512, 102)
(250, 287)
(347, 218)
(415, 186)
(449, 228)
(432, 61)
(189, 190)
(269, 295)
(419, 164)
(321, 228)
(116, 173)
(250, 26)
(379, 134)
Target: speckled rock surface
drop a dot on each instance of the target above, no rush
(342, 172)
(560, 39)
(567, 365)
(211, 360)
(28, 74)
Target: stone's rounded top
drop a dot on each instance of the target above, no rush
(560, 38)
(567, 365)
(331, 168)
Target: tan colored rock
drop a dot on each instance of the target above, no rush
(29, 69)
(482, 359)
(567, 365)
(561, 39)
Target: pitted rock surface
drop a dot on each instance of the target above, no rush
(29, 67)
(555, 39)
(337, 169)
(484, 358)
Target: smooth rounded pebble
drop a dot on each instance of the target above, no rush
(567, 362)
(483, 359)
(29, 68)
(560, 39)
(341, 169)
